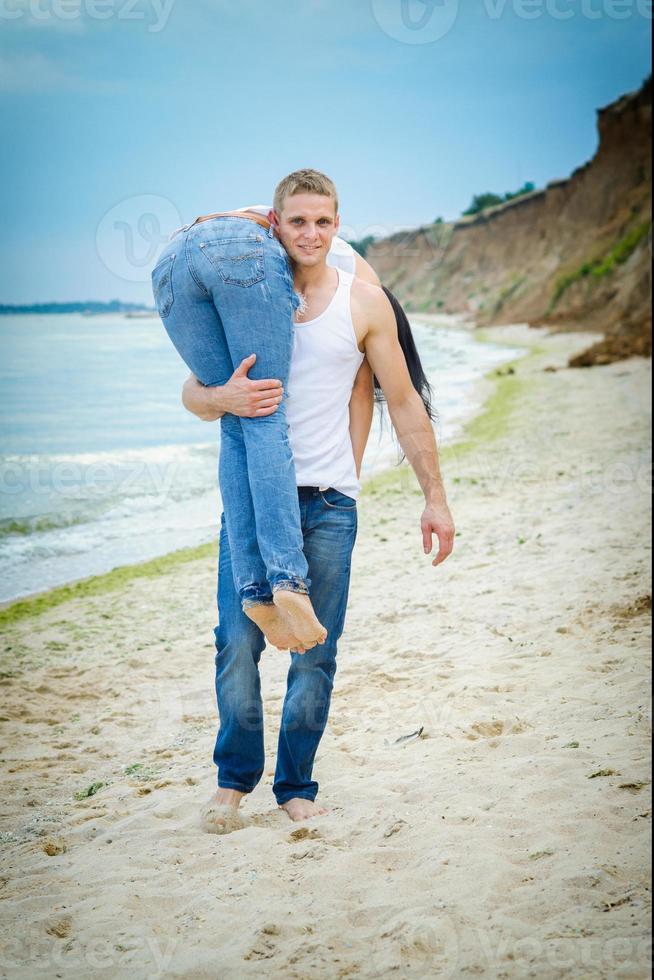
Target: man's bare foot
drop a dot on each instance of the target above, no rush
(297, 609)
(299, 809)
(274, 625)
(221, 814)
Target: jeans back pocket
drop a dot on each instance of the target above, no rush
(238, 260)
(162, 286)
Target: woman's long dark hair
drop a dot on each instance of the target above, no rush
(414, 364)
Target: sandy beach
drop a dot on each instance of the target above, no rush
(510, 839)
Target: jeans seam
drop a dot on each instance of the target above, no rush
(239, 787)
(189, 264)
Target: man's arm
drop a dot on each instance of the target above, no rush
(240, 396)
(362, 405)
(410, 420)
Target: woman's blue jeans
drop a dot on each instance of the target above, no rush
(329, 526)
(224, 290)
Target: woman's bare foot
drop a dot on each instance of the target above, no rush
(303, 622)
(299, 809)
(274, 625)
(221, 815)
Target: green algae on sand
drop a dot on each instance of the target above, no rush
(100, 584)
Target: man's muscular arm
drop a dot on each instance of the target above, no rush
(410, 420)
(361, 411)
(240, 396)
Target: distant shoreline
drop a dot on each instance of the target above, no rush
(87, 307)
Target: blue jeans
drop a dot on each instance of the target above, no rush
(329, 527)
(224, 290)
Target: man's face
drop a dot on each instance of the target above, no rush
(306, 228)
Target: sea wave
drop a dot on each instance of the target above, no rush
(147, 454)
(41, 523)
(105, 512)
(42, 494)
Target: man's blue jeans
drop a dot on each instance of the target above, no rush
(329, 527)
(224, 290)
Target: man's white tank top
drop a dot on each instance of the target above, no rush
(326, 360)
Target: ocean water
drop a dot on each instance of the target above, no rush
(101, 466)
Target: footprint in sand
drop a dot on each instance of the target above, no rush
(310, 854)
(265, 947)
(495, 728)
(264, 950)
(304, 833)
(395, 828)
(60, 928)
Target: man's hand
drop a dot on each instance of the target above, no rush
(437, 520)
(240, 396)
(251, 399)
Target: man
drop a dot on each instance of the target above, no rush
(344, 320)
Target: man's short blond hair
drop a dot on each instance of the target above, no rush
(304, 182)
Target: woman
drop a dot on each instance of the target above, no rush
(222, 286)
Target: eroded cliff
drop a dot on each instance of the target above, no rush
(576, 254)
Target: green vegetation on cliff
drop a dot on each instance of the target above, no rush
(599, 268)
(489, 200)
(507, 293)
(363, 245)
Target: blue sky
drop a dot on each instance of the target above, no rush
(167, 109)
